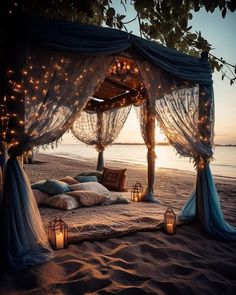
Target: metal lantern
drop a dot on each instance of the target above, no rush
(58, 233)
(137, 192)
(170, 221)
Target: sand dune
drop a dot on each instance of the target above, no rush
(143, 263)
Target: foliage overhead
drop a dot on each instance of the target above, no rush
(163, 21)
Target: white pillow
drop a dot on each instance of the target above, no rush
(115, 198)
(62, 201)
(88, 198)
(40, 197)
(89, 186)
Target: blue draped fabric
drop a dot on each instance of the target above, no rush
(23, 240)
(188, 212)
(208, 208)
(87, 39)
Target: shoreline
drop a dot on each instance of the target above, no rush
(133, 165)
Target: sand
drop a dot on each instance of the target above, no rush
(190, 262)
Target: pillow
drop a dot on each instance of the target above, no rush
(39, 196)
(86, 178)
(114, 179)
(91, 173)
(62, 201)
(38, 185)
(88, 198)
(69, 180)
(54, 187)
(115, 198)
(89, 186)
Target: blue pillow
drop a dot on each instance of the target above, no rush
(99, 174)
(86, 178)
(38, 185)
(52, 187)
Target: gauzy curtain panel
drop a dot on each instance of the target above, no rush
(100, 129)
(53, 89)
(175, 104)
(185, 112)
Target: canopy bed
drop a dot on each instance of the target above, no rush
(61, 75)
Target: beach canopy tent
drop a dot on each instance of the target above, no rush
(53, 70)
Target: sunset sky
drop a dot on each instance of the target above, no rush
(221, 34)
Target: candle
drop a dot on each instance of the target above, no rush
(170, 228)
(59, 241)
(136, 199)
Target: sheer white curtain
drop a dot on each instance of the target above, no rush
(185, 112)
(176, 107)
(51, 92)
(100, 129)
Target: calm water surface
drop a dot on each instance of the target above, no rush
(223, 165)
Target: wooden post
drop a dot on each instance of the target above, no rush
(150, 131)
(204, 109)
(100, 147)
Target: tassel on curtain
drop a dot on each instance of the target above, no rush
(100, 129)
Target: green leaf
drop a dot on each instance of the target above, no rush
(192, 36)
(111, 12)
(224, 12)
(122, 16)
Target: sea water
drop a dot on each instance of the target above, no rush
(224, 163)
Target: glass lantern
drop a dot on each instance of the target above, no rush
(58, 234)
(137, 192)
(170, 221)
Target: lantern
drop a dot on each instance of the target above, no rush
(58, 234)
(169, 221)
(137, 192)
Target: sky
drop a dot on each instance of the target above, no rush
(221, 34)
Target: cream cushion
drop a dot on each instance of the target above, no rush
(88, 198)
(62, 201)
(40, 196)
(89, 186)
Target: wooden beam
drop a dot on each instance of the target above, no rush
(133, 97)
(117, 84)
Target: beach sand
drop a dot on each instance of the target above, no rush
(189, 262)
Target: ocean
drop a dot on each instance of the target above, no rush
(224, 163)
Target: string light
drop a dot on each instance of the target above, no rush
(122, 69)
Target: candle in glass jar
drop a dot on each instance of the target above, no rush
(136, 199)
(170, 228)
(59, 241)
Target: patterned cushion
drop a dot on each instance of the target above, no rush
(40, 196)
(89, 186)
(69, 180)
(86, 178)
(62, 201)
(88, 198)
(114, 179)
